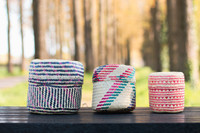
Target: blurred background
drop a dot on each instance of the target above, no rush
(151, 35)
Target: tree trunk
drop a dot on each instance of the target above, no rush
(102, 32)
(56, 19)
(122, 53)
(9, 65)
(76, 46)
(110, 32)
(115, 47)
(173, 34)
(106, 31)
(22, 35)
(95, 32)
(156, 26)
(128, 60)
(100, 38)
(119, 53)
(88, 36)
(193, 47)
(181, 46)
(60, 27)
(39, 26)
(49, 16)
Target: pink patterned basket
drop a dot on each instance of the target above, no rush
(166, 91)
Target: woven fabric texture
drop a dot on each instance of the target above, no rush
(56, 71)
(166, 91)
(55, 86)
(114, 88)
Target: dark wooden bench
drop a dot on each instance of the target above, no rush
(19, 120)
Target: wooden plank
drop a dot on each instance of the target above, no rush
(18, 119)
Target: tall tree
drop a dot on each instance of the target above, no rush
(60, 26)
(22, 34)
(9, 65)
(56, 25)
(106, 32)
(174, 35)
(39, 26)
(95, 30)
(100, 59)
(115, 46)
(147, 49)
(128, 59)
(183, 56)
(122, 51)
(110, 32)
(193, 47)
(88, 36)
(102, 32)
(156, 26)
(77, 54)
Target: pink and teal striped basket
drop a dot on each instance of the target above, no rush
(114, 88)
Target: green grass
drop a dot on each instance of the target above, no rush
(87, 90)
(17, 96)
(142, 97)
(192, 95)
(16, 72)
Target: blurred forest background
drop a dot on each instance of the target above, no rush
(151, 35)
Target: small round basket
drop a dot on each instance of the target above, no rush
(114, 88)
(166, 92)
(55, 86)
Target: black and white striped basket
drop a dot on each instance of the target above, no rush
(55, 86)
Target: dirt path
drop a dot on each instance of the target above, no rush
(12, 81)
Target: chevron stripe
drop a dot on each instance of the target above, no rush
(103, 72)
(50, 98)
(115, 90)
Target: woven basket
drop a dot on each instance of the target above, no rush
(114, 88)
(55, 86)
(166, 92)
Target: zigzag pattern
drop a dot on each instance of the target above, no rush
(166, 92)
